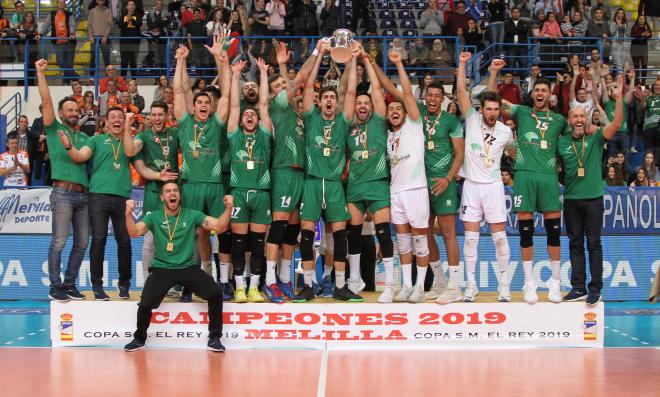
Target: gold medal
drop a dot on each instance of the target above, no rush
(195, 154)
(171, 232)
(365, 154)
(430, 145)
(116, 165)
(326, 152)
(170, 246)
(250, 165)
(580, 171)
(166, 166)
(395, 160)
(166, 151)
(488, 161)
(544, 144)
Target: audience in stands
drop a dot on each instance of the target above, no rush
(99, 25)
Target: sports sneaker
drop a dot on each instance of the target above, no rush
(471, 292)
(186, 298)
(404, 294)
(417, 295)
(274, 293)
(134, 345)
(286, 289)
(529, 292)
(254, 296)
(576, 294)
(239, 296)
(593, 298)
(305, 294)
(72, 292)
(99, 294)
(449, 295)
(436, 289)
(215, 345)
(326, 287)
(57, 294)
(123, 290)
(227, 290)
(356, 286)
(387, 296)
(345, 294)
(554, 290)
(504, 293)
(316, 288)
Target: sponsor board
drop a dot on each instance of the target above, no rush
(336, 326)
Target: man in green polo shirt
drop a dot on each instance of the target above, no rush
(174, 262)
(621, 137)
(581, 154)
(651, 104)
(68, 197)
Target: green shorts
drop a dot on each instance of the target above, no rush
(536, 191)
(447, 202)
(204, 197)
(287, 191)
(151, 202)
(224, 179)
(323, 195)
(251, 206)
(371, 195)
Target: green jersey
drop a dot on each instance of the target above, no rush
(200, 145)
(325, 144)
(289, 134)
(182, 253)
(610, 106)
(63, 168)
(367, 147)
(111, 173)
(652, 112)
(582, 165)
(159, 152)
(538, 133)
(438, 131)
(250, 158)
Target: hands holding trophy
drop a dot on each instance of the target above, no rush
(342, 45)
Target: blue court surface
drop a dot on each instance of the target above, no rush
(25, 323)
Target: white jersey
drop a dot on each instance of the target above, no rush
(405, 151)
(588, 106)
(18, 177)
(479, 140)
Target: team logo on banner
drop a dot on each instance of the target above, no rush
(66, 327)
(590, 326)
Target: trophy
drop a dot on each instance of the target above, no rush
(341, 42)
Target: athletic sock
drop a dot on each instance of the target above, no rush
(354, 263)
(254, 281)
(224, 272)
(527, 268)
(406, 270)
(270, 272)
(555, 266)
(438, 273)
(471, 278)
(327, 271)
(308, 275)
(453, 277)
(340, 278)
(389, 270)
(421, 275)
(285, 271)
(240, 281)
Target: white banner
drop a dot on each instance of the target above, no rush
(336, 326)
(25, 211)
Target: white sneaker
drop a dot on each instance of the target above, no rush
(417, 295)
(554, 290)
(436, 290)
(356, 286)
(471, 292)
(504, 293)
(449, 295)
(404, 294)
(387, 296)
(529, 290)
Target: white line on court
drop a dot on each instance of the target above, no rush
(32, 333)
(323, 374)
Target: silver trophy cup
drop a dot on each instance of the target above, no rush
(341, 43)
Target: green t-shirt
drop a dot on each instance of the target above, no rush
(570, 150)
(318, 164)
(289, 134)
(529, 154)
(610, 106)
(157, 150)
(183, 253)
(439, 129)
(372, 138)
(200, 145)
(62, 167)
(652, 112)
(111, 173)
(250, 172)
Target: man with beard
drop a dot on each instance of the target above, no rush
(326, 133)
(68, 198)
(581, 153)
(537, 184)
(174, 262)
(483, 191)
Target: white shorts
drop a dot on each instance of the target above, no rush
(483, 200)
(411, 207)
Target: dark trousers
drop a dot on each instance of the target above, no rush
(192, 278)
(585, 217)
(129, 50)
(102, 208)
(104, 50)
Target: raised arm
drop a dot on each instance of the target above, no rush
(464, 101)
(495, 66)
(409, 100)
(377, 98)
(351, 89)
(220, 224)
(180, 106)
(134, 230)
(571, 90)
(235, 96)
(131, 146)
(264, 96)
(308, 93)
(386, 83)
(219, 52)
(610, 129)
(47, 109)
(78, 156)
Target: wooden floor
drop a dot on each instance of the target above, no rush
(535, 372)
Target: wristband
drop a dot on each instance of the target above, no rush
(315, 52)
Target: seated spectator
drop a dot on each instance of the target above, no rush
(110, 98)
(374, 52)
(507, 178)
(649, 166)
(441, 61)
(431, 22)
(14, 164)
(399, 45)
(614, 176)
(621, 161)
(363, 83)
(420, 91)
(581, 7)
(128, 107)
(162, 84)
(89, 115)
(136, 98)
(419, 56)
(198, 85)
(537, 23)
(641, 178)
(111, 75)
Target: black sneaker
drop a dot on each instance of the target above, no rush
(72, 292)
(305, 294)
(346, 295)
(134, 345)
(58, 294)
(215, 345)
(227, 291)
(576, 294)
(593, 298)
(123, 290)
(185, 298)
(99, 294)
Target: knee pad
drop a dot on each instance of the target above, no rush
(224, 243)
(404, 243)
(470, 244)
(276, 233)
(291, 234)
(421, 245)
(238, 247)
(257, 249)
(340, 247)
(307, 245)
(384, 237)
(553, 231)
(526, 228)
(354, 235)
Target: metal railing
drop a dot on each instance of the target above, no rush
(12, 108)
